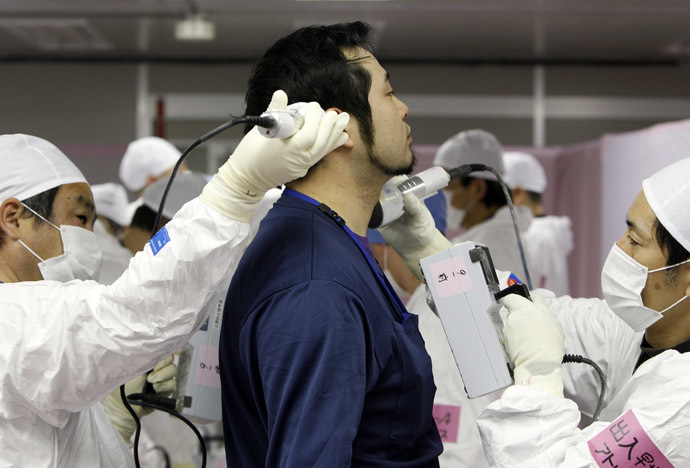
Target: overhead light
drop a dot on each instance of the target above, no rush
(195, 28)
(678, 47)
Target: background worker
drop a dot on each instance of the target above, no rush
(478, 201)
(145, 161)
(111, 208)
(549, 239)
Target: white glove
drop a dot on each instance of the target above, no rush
(163, 379)
(259, 163)
(534, 342)
(414, 235)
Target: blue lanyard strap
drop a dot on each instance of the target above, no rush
(383, 281)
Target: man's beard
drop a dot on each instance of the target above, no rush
(391, 170)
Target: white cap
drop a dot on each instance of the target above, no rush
(524, 171)
(148, 156)
(471, 147)
(668, 193)
(32, 165)
(185, 187)
(111, 202)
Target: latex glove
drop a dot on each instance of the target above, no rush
(534, 342)
(414, 235)
(162, 377)
(259, 163)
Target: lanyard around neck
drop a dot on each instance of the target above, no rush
(380, 277)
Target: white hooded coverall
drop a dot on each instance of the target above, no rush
(529, 427)
(66, 346)
(498, 234)
(614, 346)
(549, 241)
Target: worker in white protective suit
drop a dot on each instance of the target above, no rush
(159, 430)
(641, 347)
(455, 414)
(483, 212)
(111, 208)
(65, 346)
(549, 239)
(404, 282)
(638, 335)
(478, 203)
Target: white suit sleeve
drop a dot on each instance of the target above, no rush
(646, 421)
(65, 346)
(592, 330)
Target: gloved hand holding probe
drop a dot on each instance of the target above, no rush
(534, 342)
(414, 235)
(259, 164)
(163, 379)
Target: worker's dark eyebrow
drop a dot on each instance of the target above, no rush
(87, 203)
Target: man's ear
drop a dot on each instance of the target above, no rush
(349, 144)
(478, 188)
(10, 214)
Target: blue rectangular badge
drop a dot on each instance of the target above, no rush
(158, 241)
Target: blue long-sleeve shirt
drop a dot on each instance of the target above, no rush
(317, 369)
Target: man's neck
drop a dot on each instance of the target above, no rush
(16, 267)
(478, 214)
(671, 330)
(352, 199)
(537, 209)
(6, 275)
(135, 239)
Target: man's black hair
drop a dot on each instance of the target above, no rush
(144, 218)
(309, 65)
(42, 204)
(494, 195)
(675, 252)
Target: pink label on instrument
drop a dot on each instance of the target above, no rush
(208, 369)
(450, 277)
(625, 444)
(447, 419)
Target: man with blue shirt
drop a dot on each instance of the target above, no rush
(321, 365)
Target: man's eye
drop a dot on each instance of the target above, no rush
(633, 241)
(83, 219)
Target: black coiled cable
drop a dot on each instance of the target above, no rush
(583, 360)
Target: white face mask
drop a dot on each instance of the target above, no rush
(455, 215)
(622, 281)
(81, 258)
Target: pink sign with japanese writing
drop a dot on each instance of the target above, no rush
(208, 368)
(450, 277)
(447, 419)
(625, 444)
